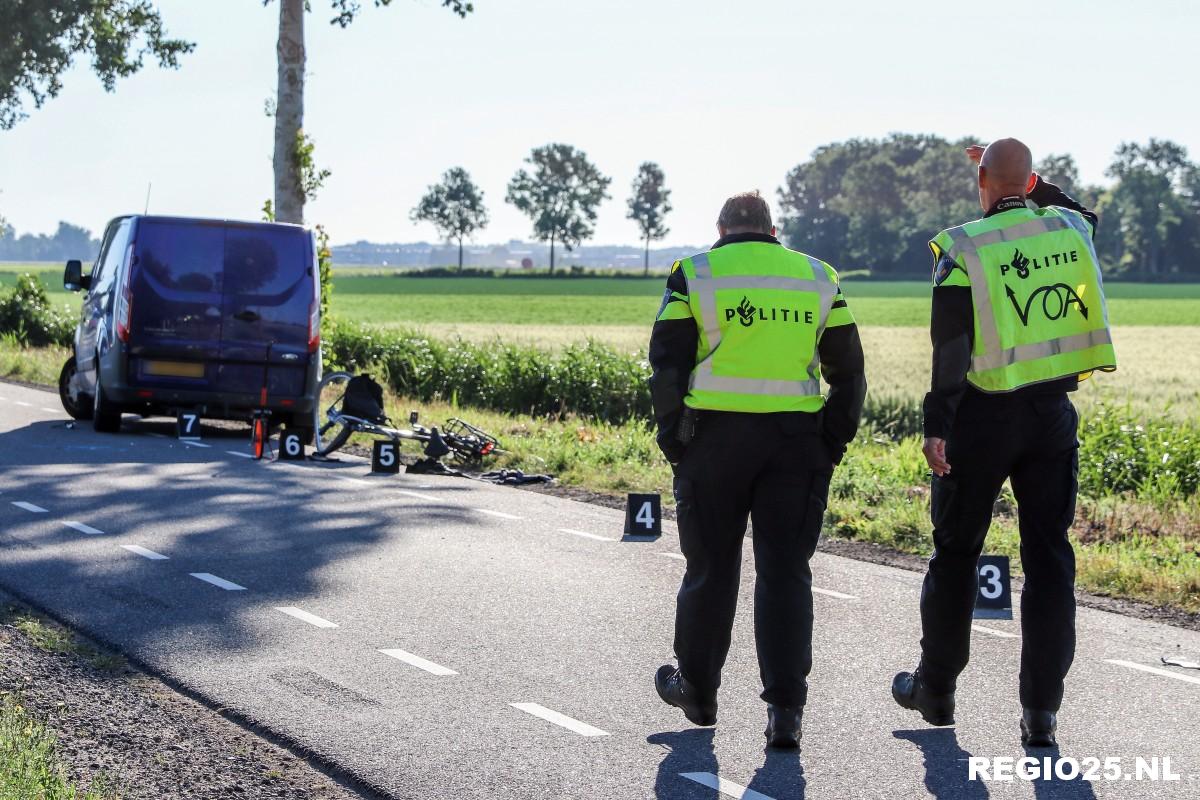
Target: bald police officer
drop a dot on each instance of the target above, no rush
(744, 336)
(1018, 320)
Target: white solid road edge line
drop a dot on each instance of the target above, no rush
(208, 577)
(582, 728)
(79, 526)
(832, 593)
(586, 535)
(417, 661)
(723, 786)
(311, 619)
(499, 514)
(994, 632)
(29, 507)
(143, 552)
(1154, 670)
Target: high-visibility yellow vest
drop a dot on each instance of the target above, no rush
(1038, 297)
(760, 310)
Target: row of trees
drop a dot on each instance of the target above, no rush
(559, 192)
(874, 203)
(69, 241)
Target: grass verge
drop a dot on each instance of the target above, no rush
(29, 766)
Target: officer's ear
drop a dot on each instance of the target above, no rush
(773, 232)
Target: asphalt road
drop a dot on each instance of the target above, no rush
(440, 638)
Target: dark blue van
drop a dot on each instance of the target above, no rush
(211, 316)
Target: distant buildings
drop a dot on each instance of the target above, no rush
(509, 255)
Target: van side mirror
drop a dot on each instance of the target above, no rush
(73, 279)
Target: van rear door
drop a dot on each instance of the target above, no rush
(267, 304)
(177, 300)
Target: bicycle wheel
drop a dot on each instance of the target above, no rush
(330, 434)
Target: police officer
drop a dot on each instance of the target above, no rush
(745, 333)
(1018, 320)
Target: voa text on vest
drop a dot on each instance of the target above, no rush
(1056, 299)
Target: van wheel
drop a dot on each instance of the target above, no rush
(81, 406)
(106, 418)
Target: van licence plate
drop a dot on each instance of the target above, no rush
(174, 369)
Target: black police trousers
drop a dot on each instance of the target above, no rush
(1032, 441)
(774, 469)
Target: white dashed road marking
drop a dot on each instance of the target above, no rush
(157, 435)
(417, 661)
(195, 444)
(832, 593)
(311, 619)
(22, 403)
(723, 786)
(357, 481)
(418, 495)
(994, 632)
(29, 507)
(1155, 671)
(143, 552)
(499, 514)
(51, 410)
(239, 454)
(582, 728)
(674, 555)
(79, 526)
(228, 586)
(586, 535)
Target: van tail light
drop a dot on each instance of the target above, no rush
(314, 327)
(125, 297)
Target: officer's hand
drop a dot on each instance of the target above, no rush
(935, 455)
(975, 153)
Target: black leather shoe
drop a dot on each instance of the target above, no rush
(909, 691)
(676, 691)
(1038, 728)
(783, 726)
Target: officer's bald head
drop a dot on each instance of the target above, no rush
(1004, 170)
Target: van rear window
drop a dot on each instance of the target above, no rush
(264, 261)
(183, 257)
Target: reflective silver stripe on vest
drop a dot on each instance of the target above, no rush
(1030, 352)
(704, 288)
(705, 379)
(1076, 222)
(706, 298)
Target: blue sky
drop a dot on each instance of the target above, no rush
(726, 95)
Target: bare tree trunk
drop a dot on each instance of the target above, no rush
(552, 254)
(647, 272)
(289, 111)
(460, 258)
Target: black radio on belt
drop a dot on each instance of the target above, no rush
(687, 426)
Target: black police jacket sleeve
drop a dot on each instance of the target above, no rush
(841, 354)
(952, 328)
(673, 344)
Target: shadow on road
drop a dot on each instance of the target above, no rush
(781, 776)
(273, 527)
(945, 764)
(1056, 788)
(689, 750)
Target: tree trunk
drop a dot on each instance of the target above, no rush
(460, 259)
(647, 272)
(552, 254)
(289, 111)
